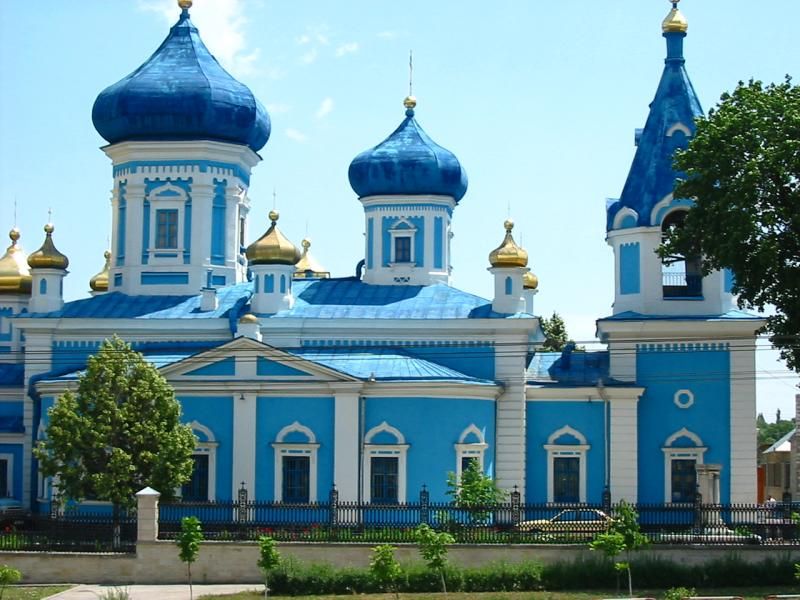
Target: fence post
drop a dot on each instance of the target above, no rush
(698, 511)
(147, 515)
(333, 501)
(241, 498)
(607, 500)
(424, 505)
(516, 512)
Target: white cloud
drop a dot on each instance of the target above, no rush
(325, 108)
(297, 136)
(347, 48)
(309, 57)
(221, 24)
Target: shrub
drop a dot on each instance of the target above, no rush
(188, 541)
(269, 558)
(8, 576)
(385, 568)
(679, 593)
(433, 549)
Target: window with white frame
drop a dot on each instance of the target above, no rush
(402, 242)
(167, 228)
(168, 203)
(6, 475)
(471, 446)
(203, 484)
(566, 465)
(295, 449)
(384, 465)
(683, 451)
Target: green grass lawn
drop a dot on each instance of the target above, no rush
(33, 592)
(747, 593)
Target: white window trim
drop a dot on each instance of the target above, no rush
(209, 448)
(10, 474)
(671, 453)
(309, 448)
(555, 450)
(466, 449)
(169, 203)
(689, 401)
(409, 232)
(398, 450)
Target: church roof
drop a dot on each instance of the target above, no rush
(570, 368)
(671, 118)
(181, 93)
(732, 315)
(341, 298)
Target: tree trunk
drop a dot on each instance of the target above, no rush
(266, 586)
(189, 571)
(444, 584)
(630, 581)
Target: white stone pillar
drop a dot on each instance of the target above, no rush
(345, 441)
(511, 413)
(623, 449)
(147, 515)
(38, 359)
(244, 442)
(743, 421)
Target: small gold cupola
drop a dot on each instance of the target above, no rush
(508, 254)
(15, 277)
(272, 248)
(675, 22)
(99, 283)
(308, 267)
(48, 256)
(530, 281)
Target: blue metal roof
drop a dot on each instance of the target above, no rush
(651, 176)
(345, 298)
(12, 374)
(382, 364)
(731, 315)
(570, 367)
(181, 93)
(157, 360)
(408, 162)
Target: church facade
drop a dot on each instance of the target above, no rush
(295, 381)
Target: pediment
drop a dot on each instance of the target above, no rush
(244, 358)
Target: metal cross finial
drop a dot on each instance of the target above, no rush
(15, 210)
(274, 198)
(50, 215)
(410, 72)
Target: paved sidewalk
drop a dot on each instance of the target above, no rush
(153, 592)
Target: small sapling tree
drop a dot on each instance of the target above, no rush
(433, 549)
(8, 576)
(269, 558)
(385, 568)
(623, 536)
(188, 542)
(476, 492)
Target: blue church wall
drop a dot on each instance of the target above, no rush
(218, 223)
(271, 368)
(545, 418)
(438, 242)
(272, 415)
(664, 369)
(431, 454)
(629, 268)
(475, 360)
(216, 413)
(15, 450)
(224, 367)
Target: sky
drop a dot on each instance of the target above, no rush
(539, 101)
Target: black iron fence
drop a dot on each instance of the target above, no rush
(509, 522)
(71, 532)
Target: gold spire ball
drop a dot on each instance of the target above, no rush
(410, 102)
(99, 283)
(508, 254)
(675, 21)
(308, 267)
(185, 4)
(273, 248)
(15, 277)
(48, 256)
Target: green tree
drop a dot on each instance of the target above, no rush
(268, 559)
(476, 492)
(769, 433)
(385, 568)
(118, 433)
(8, 576)
(433, 549)
(188, 541)
(623, 535)
(555, 332)
(743, 171)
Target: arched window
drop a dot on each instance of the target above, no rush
(683, 451)
(295, 464)
(203, 483)
(384, 465)
(471, 446)
(566, 465)
(681, 276)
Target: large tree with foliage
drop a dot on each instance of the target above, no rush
(118, 433)
(555, 332)
(743, 171)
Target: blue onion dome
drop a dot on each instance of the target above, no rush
(181, 93)
(408, 163)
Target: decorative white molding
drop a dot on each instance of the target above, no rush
(671, 453)
(283, 449)
(466, 449)
(388, 429)
(208, 447)
(299, 427)
(679, 127)
(398, 450)
(624, 212)
(555, 450)
(683, 398)
(566, 430)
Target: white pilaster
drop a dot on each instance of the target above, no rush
(345, 452)
(743, 421)
(624, 449)
(511, 413)
(244, 442)
(38, 359)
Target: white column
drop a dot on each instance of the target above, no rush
(147, 515)
(345, 444)
(622, 359)
(511, 414)
(38, 359)
(623, 459)
(743, 421)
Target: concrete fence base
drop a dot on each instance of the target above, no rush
(235, 562)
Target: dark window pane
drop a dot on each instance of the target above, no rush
(4, 491)
(466, 461)
(684, 480)
(167, 228)
(296, 472)
(384, 480)
(566, 479)
(196, 489)
(402, 249)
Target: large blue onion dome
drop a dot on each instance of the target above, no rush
(408, 162)
(181, 93)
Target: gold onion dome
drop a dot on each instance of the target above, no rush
(308, 267)
(508, 254)
(15, 277)
(99, 283)
(273, 248)
(248, 318)
(675, 21)
(48, 256)
(530, 281)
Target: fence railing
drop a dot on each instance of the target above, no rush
(509, 522)
(66, 532)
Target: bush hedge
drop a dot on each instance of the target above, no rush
(294, 578)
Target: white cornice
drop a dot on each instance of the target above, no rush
(177, 150)
(544, 393)
(674, 329)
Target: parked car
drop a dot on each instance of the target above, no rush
(12, 514)
(719, 534)
(573, 522)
